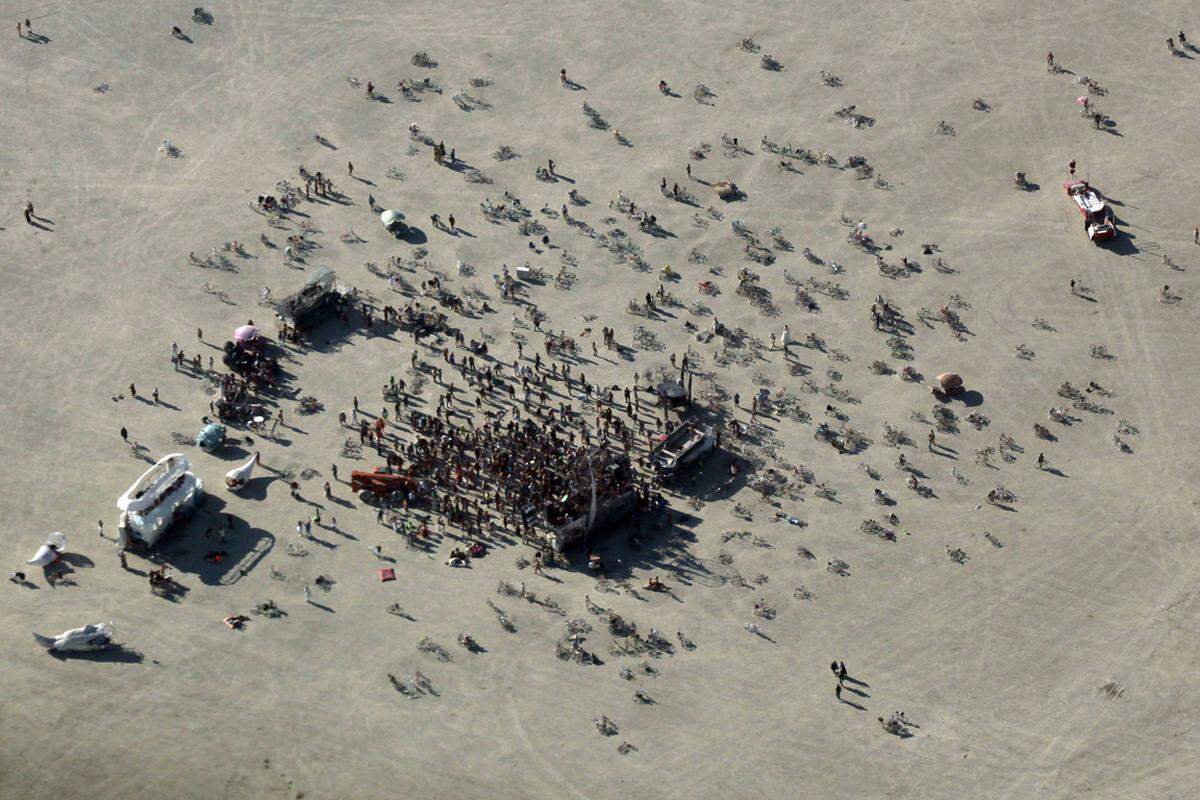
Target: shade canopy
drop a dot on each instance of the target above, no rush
(245, 333)
(390, 218)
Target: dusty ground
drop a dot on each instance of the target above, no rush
(1057, 661)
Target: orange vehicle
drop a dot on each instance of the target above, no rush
(381, 486)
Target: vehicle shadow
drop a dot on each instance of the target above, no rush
(115, 654)
(412, 235)
(223, 564)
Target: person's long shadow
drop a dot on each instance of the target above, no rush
(325, 608)
(364, 180)
(575, 86)
(855, 681)
(852, 704)
(855, 691)
(41, 226)
(1056, 472)
(36, 38)
(328, 545)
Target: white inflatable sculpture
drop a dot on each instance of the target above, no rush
(79, 640)
(49, 552)
(236, 478)
(163, 495)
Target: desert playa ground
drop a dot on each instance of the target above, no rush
(1045, 647)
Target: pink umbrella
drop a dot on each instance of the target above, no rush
(1082, 100)
(245, 333)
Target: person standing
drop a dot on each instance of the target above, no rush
(123, 560)
(100, 528)
(932, 440)
(350, 168)
(28, 203)
(837, 691)
(450, 219)
(124, 434)
(1071, 167)
(307, 595)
